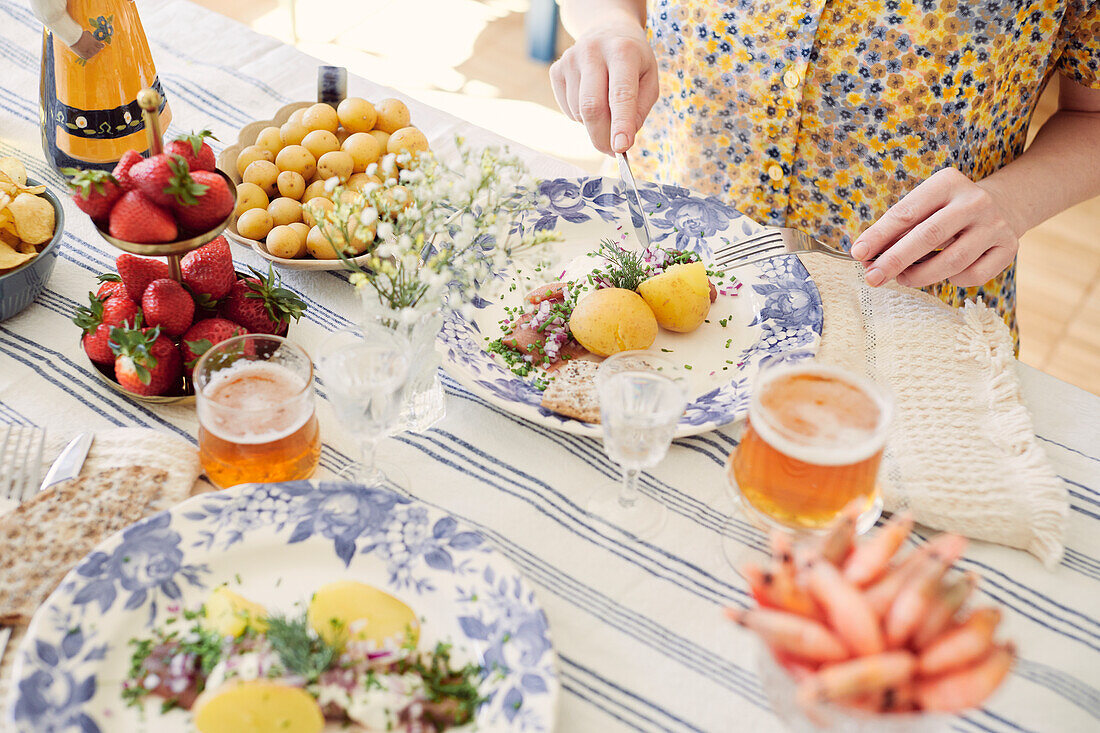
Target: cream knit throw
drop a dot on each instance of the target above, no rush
(961, 454)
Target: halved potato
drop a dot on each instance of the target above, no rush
(350, 611)
(257, 706)
(229, 613)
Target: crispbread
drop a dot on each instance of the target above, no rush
(573, 393)
(43, 538)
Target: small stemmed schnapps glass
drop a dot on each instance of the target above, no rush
(642, 397)
(364, 373)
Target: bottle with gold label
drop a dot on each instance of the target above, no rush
(95, 60)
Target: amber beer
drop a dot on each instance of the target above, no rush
(813, 443)
(256, 414)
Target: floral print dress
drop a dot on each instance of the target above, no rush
(821, 115)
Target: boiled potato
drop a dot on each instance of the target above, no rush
(296, 116)
(407, 140)
(264, 174)
(342, 135)
(321, 117)
(358, 181)
(257, 706)
(315, 190)
(301, 229)
(612, 320)
(364, 149)
(284, 241)
(392, 115)
(383, 139)
(296, 158)
(320, 142)
(337, 163)
(348, 610)
(250, 155)
(291, 184)
(318, 246)
(679, 297)
(270, 139)
(250, 196)
(293, 133)
(395, 199)
(284, 210)
(229, 613)
(254, 224)
(356, 114)
(315, 210)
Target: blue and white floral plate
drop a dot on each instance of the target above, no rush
(776, 315)
(275, 544)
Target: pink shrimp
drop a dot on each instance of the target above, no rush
(870, 559)
(883, 592)
(949, 599)
(968, 687)
(857, 677)
(918, 593)
(794, 635)
(848, 613)
(963, 645)
(840, 539)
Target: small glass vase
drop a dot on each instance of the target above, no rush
(424, 403)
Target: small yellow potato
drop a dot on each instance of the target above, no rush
(407, 140)
(257, 706)
(337, 163)
(314, 211)
(320, 142)
(318, 246)
(293, 133)
(612, 320)
(395, 199)
(352, 611)
(321, 117)
(357, 114)
(302, 230)
(264, 174)
(296, 158)
(229, 613)
(250, 155)
(270, 139)
(392, 115)
(357, 181)
(250, 196)
(296, 116)
(284, 210)
(291, 184)
(342, 135)
(254, 224)
(383, 139)
(679, 297)
(316, 190)
(283, 241)
(364, 149)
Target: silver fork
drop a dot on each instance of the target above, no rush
(777, 241)
(20, 463)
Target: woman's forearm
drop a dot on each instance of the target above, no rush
(1060, 168)
(580, 16)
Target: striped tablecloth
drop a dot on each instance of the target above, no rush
(638, 627)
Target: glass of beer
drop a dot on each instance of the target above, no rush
(256, 415)
(811, 447)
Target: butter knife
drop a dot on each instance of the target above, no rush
(68, 464)
(633, 201)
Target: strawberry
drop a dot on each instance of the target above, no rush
(191, 148)
(122, 168)
(203, 335)
(113, 311)
(210, 207)
(138, 272)
(208, 271)
(111, 284)
(94, 192)
(97, 345)
(146, 361)
(165, 180)
(261, 304)
(137, 219)
(168, 306)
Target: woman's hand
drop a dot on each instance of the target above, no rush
(948, 212)
(86, 46)
(608, 81)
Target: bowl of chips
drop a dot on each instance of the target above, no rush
(31, 222)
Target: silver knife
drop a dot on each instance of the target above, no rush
(633, 201)
(68, 464)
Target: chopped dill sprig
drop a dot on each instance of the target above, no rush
(625, 269)
(299, 648)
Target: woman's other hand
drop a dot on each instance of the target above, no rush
(949, 212)
(86, 46)
(608, 81)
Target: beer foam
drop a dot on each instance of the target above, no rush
(819, 415)
(253, 402)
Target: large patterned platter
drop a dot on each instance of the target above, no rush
(776, 315)
(276, 543)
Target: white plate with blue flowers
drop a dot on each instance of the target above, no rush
(775, 316)
(277, 543)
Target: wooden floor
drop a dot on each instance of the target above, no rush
(468, 57)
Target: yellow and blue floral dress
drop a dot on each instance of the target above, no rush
(821, 115)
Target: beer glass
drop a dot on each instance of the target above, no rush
(256, 416)
(642, 396)
(812, 445)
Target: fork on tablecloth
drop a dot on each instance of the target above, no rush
(775, 241)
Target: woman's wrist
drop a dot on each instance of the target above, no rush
(585, 17)
(1004, 197)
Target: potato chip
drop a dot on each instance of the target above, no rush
(34, 218)
(14, 169)
(26, 248)
(10, 239)
(10, 259)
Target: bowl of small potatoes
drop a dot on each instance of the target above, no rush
(281, 167)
